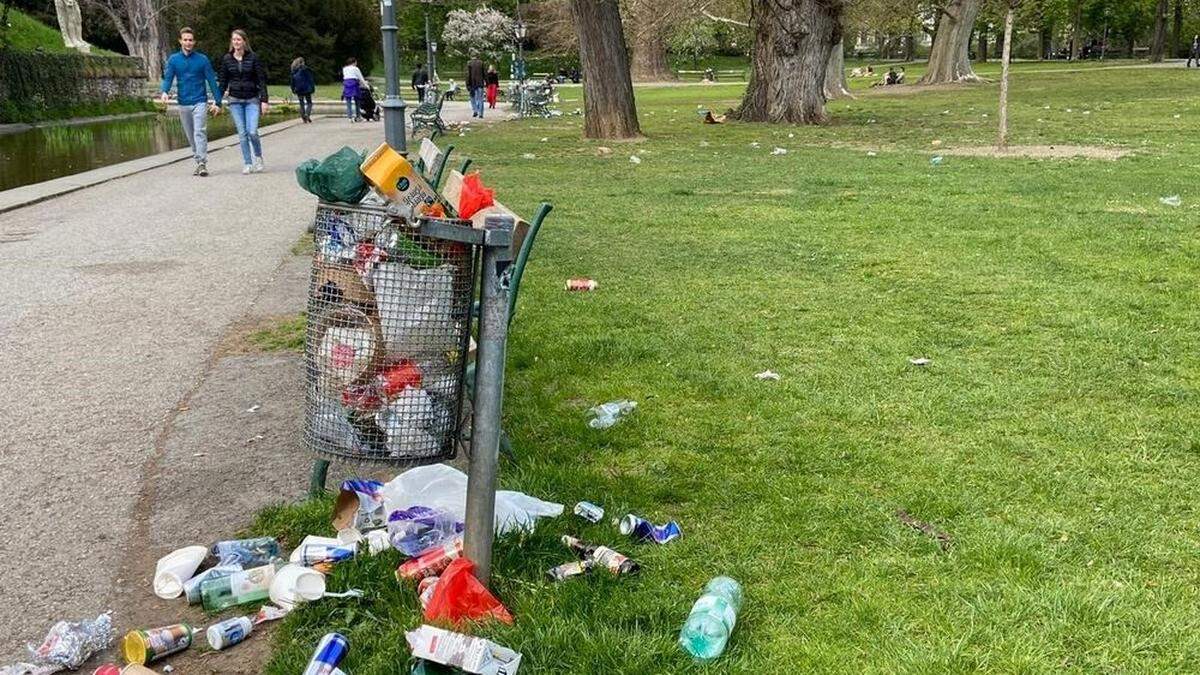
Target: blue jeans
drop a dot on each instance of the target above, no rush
(194, 118)
(477, 101)
(305, 105)
(245, 117)
(351, 107)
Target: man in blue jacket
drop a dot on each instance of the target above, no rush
(193, 70)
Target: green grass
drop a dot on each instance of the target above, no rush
(281, 335)
(26, 33)
(1053, 436)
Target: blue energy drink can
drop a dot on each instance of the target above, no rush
(330, 651)
(311, 554)
(643, 530)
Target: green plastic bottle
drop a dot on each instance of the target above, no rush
(250, 585)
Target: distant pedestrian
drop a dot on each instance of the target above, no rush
(352, 81)
(303, 86)
(193, 71)
(493, 85)
(244, 79)
(420, 82)
(475, 85)
(1194, 54)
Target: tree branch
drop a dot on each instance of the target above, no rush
(722, 19)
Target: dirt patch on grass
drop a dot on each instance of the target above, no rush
(1041, 152)
(264, 335)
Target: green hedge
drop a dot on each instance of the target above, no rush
(36, 86)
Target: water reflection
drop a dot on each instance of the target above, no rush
(43, 153)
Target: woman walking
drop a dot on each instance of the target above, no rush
(243, 79)
(492, 78)
(303, 86)
(352, 81)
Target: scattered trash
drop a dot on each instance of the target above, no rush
(608, 414)
(754, 144)
(1177, 116)
(269, 613)
(920, 361)
(710, 623)
(936, 160)
(945, 112)
(603, 151)
(472, 654)
(767, 375)
(444, 487)
(589, 512)
(146, 646)
(1069, 110)
(247, 552)
(168, 668)
(634, 159)
(106, 669)
(581, 284)
(229, 632)
(176, 568)
(570, 569)
(544, 139)
(330, 652)
(420, 528)
(528, 155)
(709, 118)
(602, 556)
(254, 408)
(924, 527)
(458, 596)
(430, 563)
(1173, 200)
(359, 505)
(936, 141)
(872, 153)
(779, 151)
(67, 645)
(985, 114)
(791, 135)
(238, 588)
(1087, 112)
(871, 121)
(643, 530)
(704, 144)
(191, 587)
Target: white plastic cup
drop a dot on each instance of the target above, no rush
(175, 568)
(229, 632)
(294, 584)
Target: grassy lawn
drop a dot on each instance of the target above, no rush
(26, 34)
(1053, 436)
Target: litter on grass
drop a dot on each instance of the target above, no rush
(1173, 200)
(634, 159)
(923, 527)
(779, 151)
(920, 361)
(767, 376)
(607, 414)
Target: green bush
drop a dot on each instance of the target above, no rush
(35, 86)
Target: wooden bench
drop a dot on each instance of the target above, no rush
(717, 74)
(428, 115)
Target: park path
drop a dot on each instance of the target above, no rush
(125, 429)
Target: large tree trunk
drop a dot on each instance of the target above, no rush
(835, 73)
(649, 44)
(792, 43)
(138, 24)
(1005, 58)
(1159, 45)
(983, 44)
(1076, 20)
(609, 110)
(1177, 31)
(949, 57)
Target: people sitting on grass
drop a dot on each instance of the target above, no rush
(891, 78)
(863, 72)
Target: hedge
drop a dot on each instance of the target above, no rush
(36, 86)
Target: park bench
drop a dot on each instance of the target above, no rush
(717, 74)
(538, 100)
(431, 162)
(428, 115)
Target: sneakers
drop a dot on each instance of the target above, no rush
(246, 170)
(201, 169)
(258, 165)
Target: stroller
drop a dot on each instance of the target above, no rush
(366, 105)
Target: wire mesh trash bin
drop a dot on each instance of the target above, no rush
(388, 331)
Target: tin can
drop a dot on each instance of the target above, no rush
(582, 284)
(425, 590)
(643, 530)
(146, 646)
(589, 512)
(229, 632)
(431, 562)
(570, 569)
(329, 654)
(311, 554)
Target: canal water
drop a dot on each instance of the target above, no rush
(42, 153)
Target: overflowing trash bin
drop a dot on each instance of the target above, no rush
(388, 333)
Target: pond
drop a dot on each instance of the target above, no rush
(42, 153)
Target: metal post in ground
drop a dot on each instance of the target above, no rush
(428, 47)
(393, 104)
(489, 394)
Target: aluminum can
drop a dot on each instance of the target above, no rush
(589, 512)
(329, 654)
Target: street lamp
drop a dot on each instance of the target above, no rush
(519, 30)
(393, 103)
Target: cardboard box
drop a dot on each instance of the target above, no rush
(450, 193)
(472, 654)
(395, 178)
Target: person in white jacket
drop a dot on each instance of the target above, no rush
(352, 81)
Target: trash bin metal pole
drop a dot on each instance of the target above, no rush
(489, 394)
(393, 103)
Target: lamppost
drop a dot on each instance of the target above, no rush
(428, 44)
(393, 103)
(519, 30)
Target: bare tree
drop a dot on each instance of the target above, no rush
(607, 89)
(650, 21)
(139, 23)
(1159, 45)
(949, 58)
(1005, 59)
(792, 43)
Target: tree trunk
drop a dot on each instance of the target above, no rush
(609, 110)
(793, 40)
(1159, 45)
(835, 73)
(1076, 19)
(1005, 58)
(1177, 30)
(649, 44)
(949, 57)
(983, 44)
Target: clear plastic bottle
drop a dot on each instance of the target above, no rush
(712, 619)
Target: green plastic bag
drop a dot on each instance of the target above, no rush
(335, 178)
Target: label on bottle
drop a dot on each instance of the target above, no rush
(717, 606)
(606, 557)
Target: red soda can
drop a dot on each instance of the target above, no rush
(431, 562)
(581, 284)
(107, 669)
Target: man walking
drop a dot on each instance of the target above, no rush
(475, 85)
(1194, 54)
(193, 71)
(420, 82)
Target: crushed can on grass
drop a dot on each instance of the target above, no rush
(431, 562)
(582, 284)
(330, 652)
(229, 632)
(146, 646)
(641, 529)
(589, 512)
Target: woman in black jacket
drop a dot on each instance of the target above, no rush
(244, 81)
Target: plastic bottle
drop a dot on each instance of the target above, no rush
(240, 587)
(712, 619)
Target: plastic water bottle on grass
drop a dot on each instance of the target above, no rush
(711, 621)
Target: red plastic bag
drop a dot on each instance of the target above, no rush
(474, 196)
(459, 596)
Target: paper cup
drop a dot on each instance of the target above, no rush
(136, 669)
(175, 568)
(294, 584)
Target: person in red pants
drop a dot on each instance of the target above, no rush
(492, 78)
